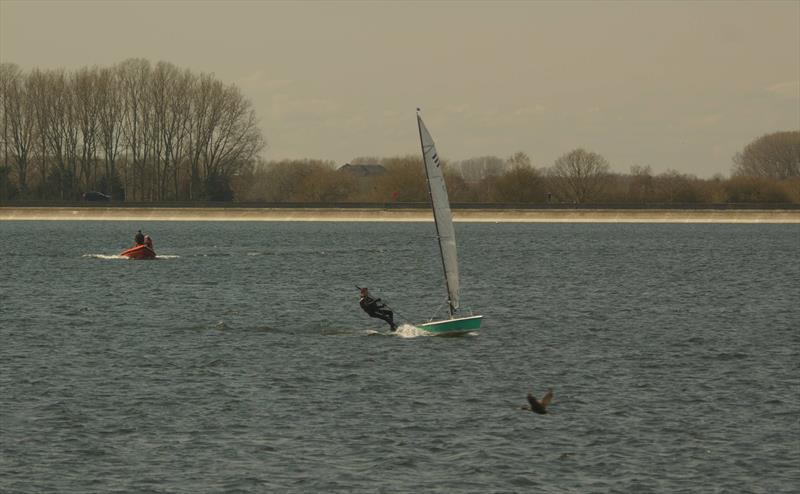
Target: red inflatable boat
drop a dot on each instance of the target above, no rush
(139, 252)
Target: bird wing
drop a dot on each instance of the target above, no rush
(535, 405)
(547, 398)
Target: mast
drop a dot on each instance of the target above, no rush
(450, 307)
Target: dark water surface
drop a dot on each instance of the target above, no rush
(242, 363)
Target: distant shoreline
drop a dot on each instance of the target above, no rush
(550, 215)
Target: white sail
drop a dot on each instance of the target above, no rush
(441, 214)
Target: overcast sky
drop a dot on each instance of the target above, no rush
(672, 85)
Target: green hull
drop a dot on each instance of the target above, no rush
(450, 327)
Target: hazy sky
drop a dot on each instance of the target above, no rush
(673, 85)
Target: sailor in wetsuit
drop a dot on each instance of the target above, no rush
(375, 308)
(139, 238)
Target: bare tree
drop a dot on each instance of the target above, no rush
(235, 141)
(70, 130)
(521, 183)
(405, 179)
(171, 95)
(224, 136)
(675, 187)
(55, 119)
(518, 159)
(640, 184)
(8, 71)
(580, 175)
(290, 180)
(325, 184)
(458, 190)
(475, 169)
(84, 87)
(18, 124)
(160, 89)
(110, 116)
(775, 155)
(40, 84)
(205, 115)
(134, 76)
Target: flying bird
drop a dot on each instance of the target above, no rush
(538, 406)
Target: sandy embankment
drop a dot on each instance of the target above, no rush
(378, 214)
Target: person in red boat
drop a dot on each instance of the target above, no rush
(143, 248)
(138, 238)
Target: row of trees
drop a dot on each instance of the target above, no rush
(137, 131)
(766, 171)
(577, 177)
(158, 133)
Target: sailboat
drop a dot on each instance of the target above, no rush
(446, 236)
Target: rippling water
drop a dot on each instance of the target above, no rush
(241, 362)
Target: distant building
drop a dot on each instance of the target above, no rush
(363, 170)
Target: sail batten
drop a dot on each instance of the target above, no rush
(442, 215)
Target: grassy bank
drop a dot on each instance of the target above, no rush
(373, 213)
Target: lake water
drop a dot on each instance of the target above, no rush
(241, 362)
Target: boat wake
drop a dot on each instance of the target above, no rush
(403, 331)
(106, 257)
(355, 332)
(117, 257)
(411, 331)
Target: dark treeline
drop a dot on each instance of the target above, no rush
(135, 131)
(156, 133)
(765, 172)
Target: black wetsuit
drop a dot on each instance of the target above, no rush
(376, 309)
(139, 238)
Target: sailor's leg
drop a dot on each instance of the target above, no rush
(389, 317)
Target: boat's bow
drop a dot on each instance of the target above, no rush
(454, 326)
(139, 252)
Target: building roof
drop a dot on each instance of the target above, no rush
(367, 170)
